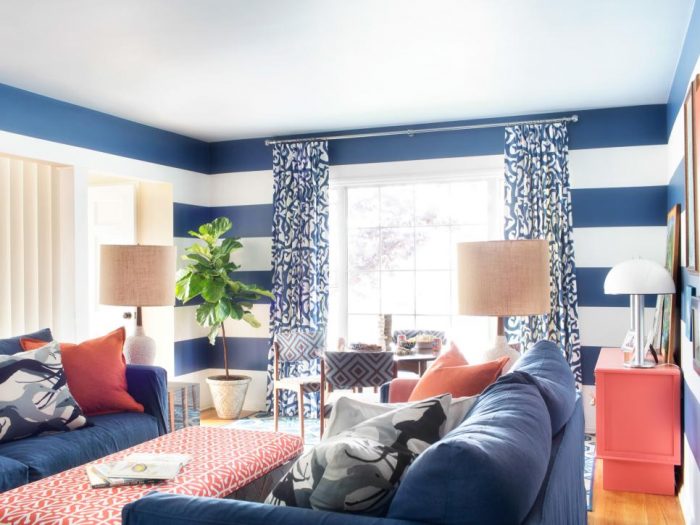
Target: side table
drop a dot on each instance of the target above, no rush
(638, 424)
(417, 363)
(183, 405)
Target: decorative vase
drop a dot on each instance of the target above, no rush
(228, 394)
(139, 349)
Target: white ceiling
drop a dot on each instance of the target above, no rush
(225, 69)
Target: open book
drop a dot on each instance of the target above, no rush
(135, 469)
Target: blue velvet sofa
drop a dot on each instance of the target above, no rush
(33, 458)
(516, 458)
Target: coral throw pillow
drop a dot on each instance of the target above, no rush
(460, 381)
(96, 373)
(453, 357)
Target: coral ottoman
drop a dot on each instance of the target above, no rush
(223, 462)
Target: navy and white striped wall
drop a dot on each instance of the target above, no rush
(619, 191)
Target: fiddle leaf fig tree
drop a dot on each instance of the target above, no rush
(209, 275)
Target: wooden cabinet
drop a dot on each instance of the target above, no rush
(638, 424)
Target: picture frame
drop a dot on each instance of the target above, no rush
(694, 321)
(669, 321)
(691, 132)
(630, 341)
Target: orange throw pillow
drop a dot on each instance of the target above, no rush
(453, 357)
(468, 380)
(96, 373)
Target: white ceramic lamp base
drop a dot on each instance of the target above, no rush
(139, 349)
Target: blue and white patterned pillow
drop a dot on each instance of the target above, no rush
(34, 395)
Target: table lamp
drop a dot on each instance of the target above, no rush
(637, 277)
(503, 279)
(137, 275)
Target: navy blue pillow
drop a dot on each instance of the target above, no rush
(550, 372)
(11, 345)
(487, 470)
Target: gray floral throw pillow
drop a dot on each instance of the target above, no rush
(34, 396)
(359, 469)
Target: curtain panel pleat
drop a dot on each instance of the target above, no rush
(538, 206)
(32, 216)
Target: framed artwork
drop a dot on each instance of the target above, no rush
(691, 215)
(630, 341)
(687, 300)
(669, 322)
(694, 320)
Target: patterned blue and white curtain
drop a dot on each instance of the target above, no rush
(538, 206)
(299, 257)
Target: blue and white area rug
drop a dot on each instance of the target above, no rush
(589, 468)
(290, 425)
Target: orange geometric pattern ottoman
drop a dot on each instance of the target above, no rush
(223, 461)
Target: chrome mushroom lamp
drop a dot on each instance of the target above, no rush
(638, 277)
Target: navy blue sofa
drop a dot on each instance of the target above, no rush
(517, 458)
(33, 458)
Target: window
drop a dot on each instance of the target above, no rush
(392, 251)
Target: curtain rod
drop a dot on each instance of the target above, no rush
(411, 132)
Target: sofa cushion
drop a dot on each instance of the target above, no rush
(12, 345)
(552, 375)
(357, 470)
(103, 393)
(51, 453)
(34, 396)
(12, 474)
(487, 470)
(348, 412)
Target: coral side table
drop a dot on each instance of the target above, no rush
(638, 424)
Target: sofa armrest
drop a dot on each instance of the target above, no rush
(171, 509)
(149, 386)
(400, 390)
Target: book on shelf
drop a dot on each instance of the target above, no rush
(136, 469)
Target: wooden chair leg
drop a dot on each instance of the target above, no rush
(322, 413)
(376, 389)
(300, 409)
(276, 407)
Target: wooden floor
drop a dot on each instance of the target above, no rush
(609, 507)
(207, 418)
(628, 508)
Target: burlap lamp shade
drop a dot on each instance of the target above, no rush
(137, 275)
(503, 278)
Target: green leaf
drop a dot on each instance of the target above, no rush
(213, 333)
(230, 244)
(206, 315)
(213, 290)
(249, 318)
(198, 258)
(236, 311)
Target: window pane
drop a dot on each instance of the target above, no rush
(397, 205)
(397, 249)
(433, 292)
(398, 294)
(433, 322)
(403, 322)
(363, 249)
(363, 207)
(433, 248)
(466, 234)
(363, 329)
(363, 292)
(432, 204)
(470, 202)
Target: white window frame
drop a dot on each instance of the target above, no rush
(488, 169)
